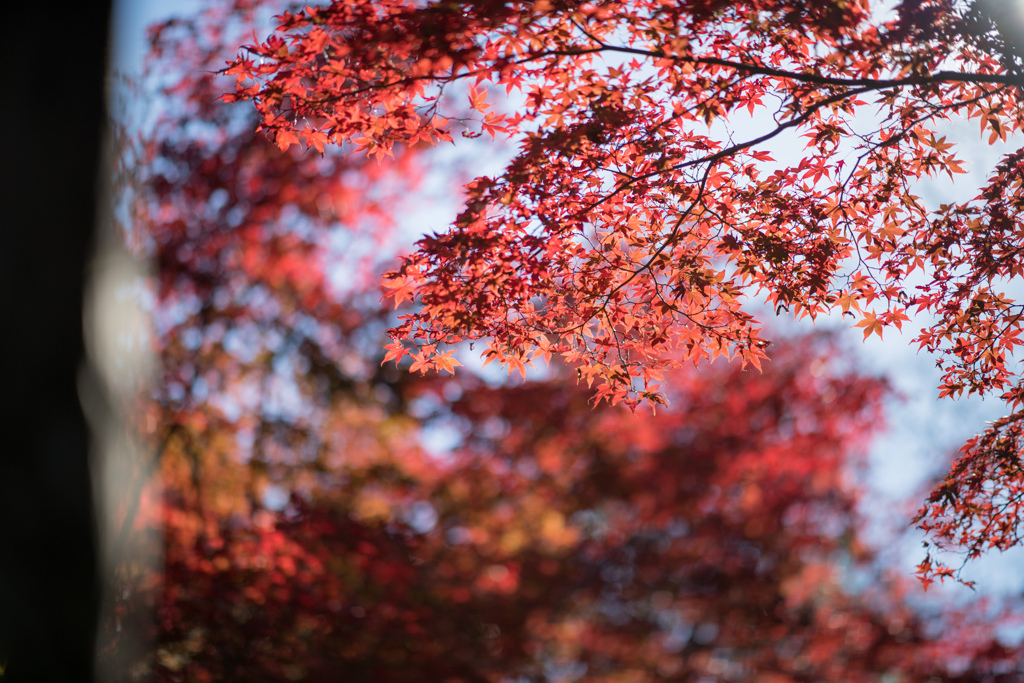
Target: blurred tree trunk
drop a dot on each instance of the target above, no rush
(53, 114)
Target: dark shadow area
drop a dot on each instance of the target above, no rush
(53, 119)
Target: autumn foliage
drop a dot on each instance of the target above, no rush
(675, 164)
(327, 515)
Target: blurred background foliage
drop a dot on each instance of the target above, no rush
(322, 518)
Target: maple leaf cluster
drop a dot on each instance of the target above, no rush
(311, 528)
(654, 199)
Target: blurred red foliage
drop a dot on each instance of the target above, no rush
(328, 517)
(677, 160)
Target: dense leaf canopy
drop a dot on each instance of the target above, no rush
(328, 517)
(678, 162)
